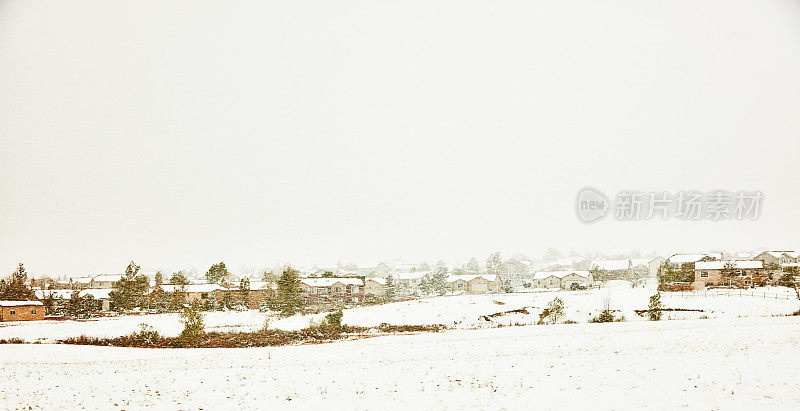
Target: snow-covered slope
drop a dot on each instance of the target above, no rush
(737, 363)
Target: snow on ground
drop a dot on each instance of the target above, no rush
(731, 363)
(462, 311)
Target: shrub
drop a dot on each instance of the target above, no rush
(193, 329)
(654, 309)
(553, 312)
(334, 319)
(606, 316)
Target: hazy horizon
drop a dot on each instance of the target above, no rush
(259, 133)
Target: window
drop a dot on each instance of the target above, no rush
(12, 312)
(704, 274)
(33, 311)
(460, 285)
(204, 296)
(338, 289)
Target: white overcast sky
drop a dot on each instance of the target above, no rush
(181, 133)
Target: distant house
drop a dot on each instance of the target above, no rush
(516, 271)
(712, 272)
(474, 283)
(564, 279)
(410, 280)
(328, 289)
(105, 281)
(677, 260)
(101, 296)
(375, 287)
(80, 282)
(617, 268)
(195, 292)
(776, 258)
(21, 311)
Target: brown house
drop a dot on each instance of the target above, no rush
(329, 289)
(742, 273)
(21, 310)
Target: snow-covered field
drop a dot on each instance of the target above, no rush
(463, 311)
(732, 363)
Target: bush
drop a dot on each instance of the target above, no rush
(606, 316)
(194, 328)
(654, 309)
(553, 312)
(334, 319)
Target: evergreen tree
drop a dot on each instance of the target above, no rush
(129, 292)
(288, 299)
(438, 281)
(390, 287)
(216, 273)
(655, 307)
(194, 329)
(159, 279)
(269, 277)
(16, 288)
(494, 264)
(473, 266)
(179, 278)
(244, 289)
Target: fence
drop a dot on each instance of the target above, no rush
(731, 293)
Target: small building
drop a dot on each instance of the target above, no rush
(375, 287)
(327, 289)
(565, 279)
(745, 273)
(474, 283)
(21, 311)
(194, 292)
(777, 258)
(105, 281)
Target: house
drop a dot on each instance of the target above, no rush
(515, 271)
(565, 279)
(677, 260)
(194, 292)
(100, 295)
(713, 273)
(80, 282)
(776, 258)
(410, 280)
(375, 287)
(474, 283)
(105, 280)
(327, 289)
(617, 268)
(21, 311)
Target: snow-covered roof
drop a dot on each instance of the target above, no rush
(719, 265)
(379, 280)
(329, 281)
(780, 254)
(81, 280)
(19, 303)
(97, 293)
(108, 277)
(65, 294)
(611, 265)
(470, 277)
(192, 288)
(686, 258)
(410, 276)
(641, 261)
(560, 274)
(262, 285)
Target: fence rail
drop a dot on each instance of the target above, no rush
(730, 293)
